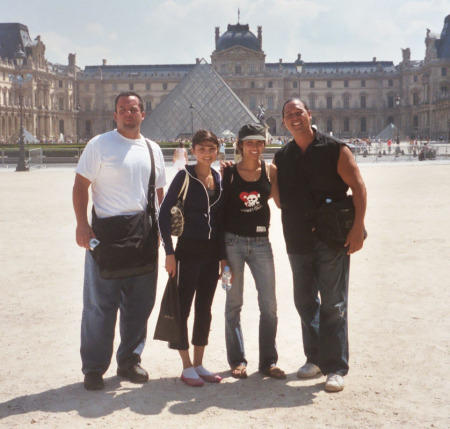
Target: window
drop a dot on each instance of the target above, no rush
(329, 125)
(270, 104)
(270, 84)
(346, 101)
(363, 125)
(88, 128)
(312, 102)
(363, 83)
(390, 82)
(60, 83)
(443, 71)
(444, 90)
(252, 103)
(87, 106)
(329, 102)
(147, 86)
(252, 84)
(148, 106)
(345, 83)
(164, 86)
(346, 125)
(131, 86)
(61, 103)
(237, 69)
(328, 83)
(390, 101)
(415, 98)
(311, 84)
(294, 84)
(61, 126)
(416, 78)
(415, 122)
(363, 101)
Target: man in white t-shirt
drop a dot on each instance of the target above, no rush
(116, 165)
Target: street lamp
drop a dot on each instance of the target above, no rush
(20, 57)
(299, 67)
(397, 104)
(192, 120)
(77, 110)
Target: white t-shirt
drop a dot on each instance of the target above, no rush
(119, 171)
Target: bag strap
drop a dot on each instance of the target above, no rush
(151, 183)
(184, 188)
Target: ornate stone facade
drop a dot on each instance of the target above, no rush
(349, 99)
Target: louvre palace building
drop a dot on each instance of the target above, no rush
(355, 99)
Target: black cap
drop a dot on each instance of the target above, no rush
(252, 132)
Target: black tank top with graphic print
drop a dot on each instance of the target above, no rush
(245, 205)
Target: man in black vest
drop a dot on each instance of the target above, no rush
(313, 164)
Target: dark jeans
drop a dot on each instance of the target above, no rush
(198, 271)
(134, 297)
(324, 271)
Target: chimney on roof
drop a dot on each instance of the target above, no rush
(374, 59)
(281, 60)
(260, 35)
(104, 62)
(217, 34)
(197, 61)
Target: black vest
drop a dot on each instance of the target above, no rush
(305, 180)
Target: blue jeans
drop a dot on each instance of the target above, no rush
(257, 253)
(324, 320)
(134, 297)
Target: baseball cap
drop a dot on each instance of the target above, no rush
(252, 132)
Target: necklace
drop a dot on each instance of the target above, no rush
(207, 180)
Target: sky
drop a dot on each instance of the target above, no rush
(179, 31)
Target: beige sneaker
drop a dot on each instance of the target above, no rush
(334, 383)
(308, 370)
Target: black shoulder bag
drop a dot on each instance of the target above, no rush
(128, 243)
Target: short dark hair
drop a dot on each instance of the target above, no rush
(129, 94)
(292, 99)
(205, 136)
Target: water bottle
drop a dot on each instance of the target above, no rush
(226, 278)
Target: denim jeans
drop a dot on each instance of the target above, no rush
(134, 297)
(324, 271)
(257, 253)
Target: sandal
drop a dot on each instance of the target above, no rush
(239, 371)
(274, 372)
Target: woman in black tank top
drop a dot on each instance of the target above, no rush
(247, 189)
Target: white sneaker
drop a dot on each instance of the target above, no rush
(334, 383)
(308, 370)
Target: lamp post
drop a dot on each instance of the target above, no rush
(20, 57)
(192, 120)
(397, 104)
(299, 67)
(77, 110)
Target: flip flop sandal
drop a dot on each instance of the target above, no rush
(239, 371)
(275, 372)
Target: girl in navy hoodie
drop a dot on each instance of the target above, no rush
(199, 252)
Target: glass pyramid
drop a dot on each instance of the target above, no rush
(201, 100)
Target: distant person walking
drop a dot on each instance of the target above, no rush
(180, 157)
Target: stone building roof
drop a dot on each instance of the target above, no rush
(443, 44)
(13, 35)
(238, 34)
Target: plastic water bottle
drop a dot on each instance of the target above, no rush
(226, 278)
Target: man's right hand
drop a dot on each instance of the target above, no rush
(84, 234)
(171, 265)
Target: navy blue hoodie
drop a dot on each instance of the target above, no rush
(203, 220)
